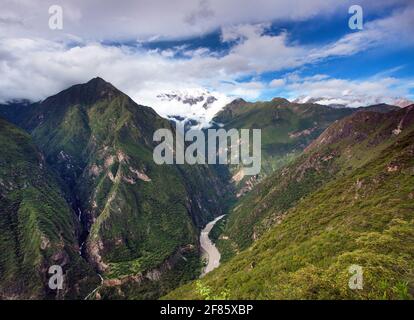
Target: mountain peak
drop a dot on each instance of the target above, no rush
(280, 100)
(97, 81)
(97, 78)
(85, 93)
(99, 84)
(238, 101)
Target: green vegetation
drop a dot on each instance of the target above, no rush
(205, 292)
(331, 194)
(37, 227)
(343, 147)
(186, 268)
(138, 213)
(287, 128)
(364, 216)
(217, 229)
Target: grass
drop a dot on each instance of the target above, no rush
(36, 223)
(363, 217)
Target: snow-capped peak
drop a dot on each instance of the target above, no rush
(189, 97)
(196, 105)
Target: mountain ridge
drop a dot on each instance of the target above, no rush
(99, 142)
(345, 145)
(358, 212)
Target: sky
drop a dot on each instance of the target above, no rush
(257, 50)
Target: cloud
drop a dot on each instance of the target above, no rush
(395, 29)
(36, 62)
(203, 12)
(51, 67)
(35, 68)
(353, 93)
(97, 20)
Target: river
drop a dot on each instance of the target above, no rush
(209, 250)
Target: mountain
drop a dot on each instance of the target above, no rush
(347, 201)
(346, 146)
(402, 102)
(382, 108)
(353, 101)
(195, 105)
(286, 129)
(79, 188)
(140, 220)
(38, 229)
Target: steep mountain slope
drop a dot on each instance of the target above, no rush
(363, 216)
(287, 128)
(381, 108)
(37, 227)
(17, 111)
(137, 215)
(344, 146)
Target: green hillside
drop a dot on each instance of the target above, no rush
(360, 212)
(37, 227)
(79, 188)
(136, 215)
(346, 145)
(287, 128)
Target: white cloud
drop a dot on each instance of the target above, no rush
(352, 93)
(144, 19)
(97, 20)
(35, 67)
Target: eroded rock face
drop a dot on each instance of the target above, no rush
(140, 175)
(95, 170)
(248, 186)
(238, 176)
(94, 248)
(152, 275)
(305, 132)
(109, 161)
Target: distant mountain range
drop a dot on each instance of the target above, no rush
(197, 107)
(353, 102)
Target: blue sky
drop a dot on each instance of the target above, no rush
(386, 61)
(236, 48)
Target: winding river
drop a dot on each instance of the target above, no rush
(209, 250)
